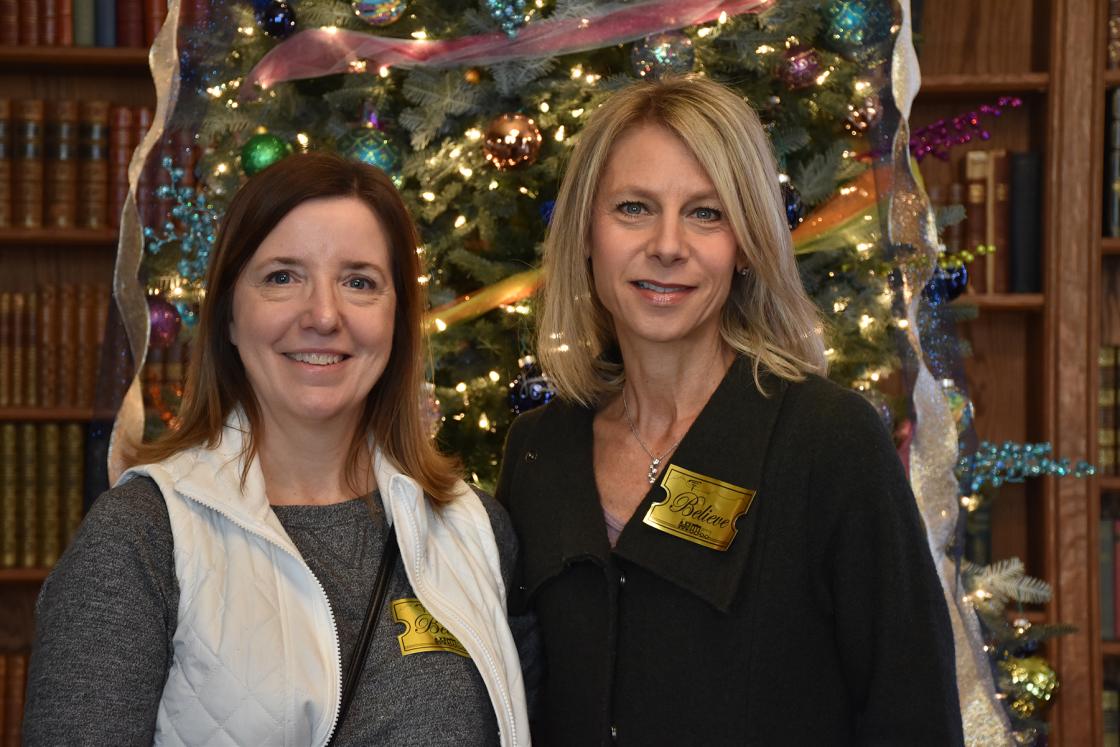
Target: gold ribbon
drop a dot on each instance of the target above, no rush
(933, 452)
(130, 295)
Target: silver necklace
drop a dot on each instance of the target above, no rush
(654, 461)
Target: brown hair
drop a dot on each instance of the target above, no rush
(216, 379)
(767, 317)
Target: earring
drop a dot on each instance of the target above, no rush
(742, 271)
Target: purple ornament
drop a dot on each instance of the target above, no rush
(939, 138)
(800, 67)
(165, 322)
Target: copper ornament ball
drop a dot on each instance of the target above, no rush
(512, 140)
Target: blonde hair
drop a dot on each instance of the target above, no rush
(767, 316)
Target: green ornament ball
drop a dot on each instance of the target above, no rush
(371, 146)
(261, 151)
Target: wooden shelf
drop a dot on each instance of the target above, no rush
(1006, 84)
(23, 575)
(62, 237)
(45, 414)
(1003, 301)
(1108, 482)
(89, 60)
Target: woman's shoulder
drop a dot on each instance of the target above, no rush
(828, 403)
(135, 504)
(551, 418)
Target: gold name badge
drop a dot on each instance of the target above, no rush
(422, 632)
(699, 508)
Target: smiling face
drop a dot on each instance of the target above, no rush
(313, 313)
(662, 252)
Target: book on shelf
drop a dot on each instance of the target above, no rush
(121, 144)
(6, 363)
(85, 23)
(976, 216)
(93, 167)
(29, 531)
(14, 686)
(1024, 238)
(30, 346)
(48, 23)
(1106, 568)
(9, 23)
(29, 22)
(61, 172)
(997, 223)
(105, 23)
(50, 493)
(130, 23)
(1110, 721)
(18, 348)
(5, 162)
(27, 164)
(1106, 403)
(155, 11)
(72, 479)
(65, 10)
(1113, 48)
(9, 496)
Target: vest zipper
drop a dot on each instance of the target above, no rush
(322, 591)
(507, 706)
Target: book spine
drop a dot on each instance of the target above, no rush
(1116, 577)
(130, 23)
(50, 498)
(72, 471)
(1107, 541)
(1025, 233)
(29, 495)
(9, 496)
(145, 191)
(31, 351)
(48, 23)
(27, 191)
(954, 234)
(1110, 703)
(9, 23)
(6, 349)
(155, 11)
(105, 23)
(999, 192)
(3, 696)
(48, 346)
(1113, 34)
(14, 687)
(94, 165)
(87, 347)
(5, 162)
(19, 306)
(120, 153)
(62, 166)
(65, 11)
(29, 22)
(85, 24)
(976, 220)
(1106, 402)
(67, 346)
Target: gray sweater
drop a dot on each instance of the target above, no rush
(107, 615)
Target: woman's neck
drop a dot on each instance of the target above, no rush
(307, 463)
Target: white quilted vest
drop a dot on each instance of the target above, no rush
(256, 657)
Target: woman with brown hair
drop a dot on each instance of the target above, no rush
(296, 518)
(720, 545)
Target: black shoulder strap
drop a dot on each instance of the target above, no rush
(376, 601)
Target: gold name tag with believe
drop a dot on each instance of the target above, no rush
(699, 508)
(422, 632)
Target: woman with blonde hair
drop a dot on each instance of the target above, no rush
(295, 563)
(721, 546)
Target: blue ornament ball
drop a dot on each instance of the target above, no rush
(379, 12)
(187, 313)
(858, 29)
(546, 209)
(276, 18)
(659, 55)
(795, 209)
(370, 146)
(510, 14)
(530, 389)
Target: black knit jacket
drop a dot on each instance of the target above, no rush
(823, 623)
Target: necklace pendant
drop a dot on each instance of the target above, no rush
(652, 471)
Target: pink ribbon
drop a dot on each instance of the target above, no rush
(317, 52)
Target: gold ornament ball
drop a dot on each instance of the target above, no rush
(472, 76)
(512, 140)
(1029, 684)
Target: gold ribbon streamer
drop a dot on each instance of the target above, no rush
(933, 452)
(131, 297)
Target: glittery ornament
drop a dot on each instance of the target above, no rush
(379, 13)
(1014, 462)
(959, 405)
(187, 313)
(659, 55)
(800, 67)
(164, 322)
(858, 29)
(531, 388)
(276, 18)
(939, 138)
(370, 146)
(1029, 684)
(510, 14)
(512, 140)
(863, 116)
(263, 150)
(795, 209)
(946, 284)
(1025, 645)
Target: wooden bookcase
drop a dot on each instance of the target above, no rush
(31, 257)
(1033, 370)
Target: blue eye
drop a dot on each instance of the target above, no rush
(708, 214)
(280, 277)
(631, 208)
(359, 283)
